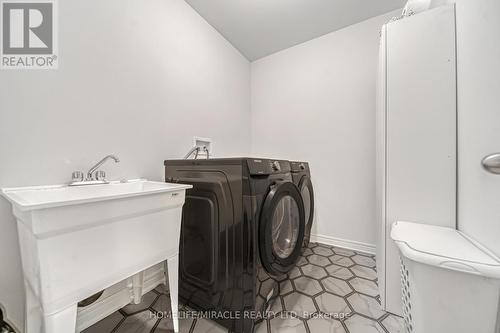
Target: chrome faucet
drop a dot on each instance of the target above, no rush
(94, 176)
(97, 165)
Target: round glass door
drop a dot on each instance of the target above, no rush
(286, 225)
(306, 197)
(307, 194)
(281, 228)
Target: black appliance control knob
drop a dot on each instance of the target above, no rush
(302, 166)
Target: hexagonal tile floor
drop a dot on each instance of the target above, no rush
(5, 328)
(332, 290)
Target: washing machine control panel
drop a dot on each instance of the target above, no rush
(299, 166)
(267, 167)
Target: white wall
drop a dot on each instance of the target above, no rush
(478, 74)
(316, 102)
(135, 78)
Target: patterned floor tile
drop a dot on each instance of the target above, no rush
(277, 305)
(286, 287)
(166, 325)
(307, 252)
(266, 286)
(261, 327)
(281, 278)
(325, 325)
(162, 305)
(323, 251)
(364, 286)
(365, 305)
(307, 286)
(295, 272)
(336, 286)
(286, 325)
(363, 260)
(142, 322)
(341, 260)
(339, 272)
(318, 260)
(316, 285)
(162, 289)
(364, 272)
(332, 305)
(146, 301)
(393, 324)
(359, 324)
(314, 271)
(302, 261)
(301, 305)
(185, 324)
(208, 326)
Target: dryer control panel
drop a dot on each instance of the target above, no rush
(267, 167)
(299, 166)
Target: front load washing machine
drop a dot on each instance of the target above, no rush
(242, 230)
(302, 178)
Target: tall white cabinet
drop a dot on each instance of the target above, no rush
(478, 39)
(416, 133)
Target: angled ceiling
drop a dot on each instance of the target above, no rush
(261, 27)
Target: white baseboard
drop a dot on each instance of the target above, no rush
(345, 243)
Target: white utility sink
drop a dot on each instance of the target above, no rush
(78, 240)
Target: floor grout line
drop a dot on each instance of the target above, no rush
(358, 307)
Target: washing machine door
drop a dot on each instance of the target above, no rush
(281, 228)
(306, 190)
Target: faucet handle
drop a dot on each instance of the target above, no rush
(77, 176)
(100, 175)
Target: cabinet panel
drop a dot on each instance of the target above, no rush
(479, 119)
(420, 128)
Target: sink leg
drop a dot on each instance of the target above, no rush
(138, 286)
(33, 319)
(173, 281)
(61, 322)
(37, 322)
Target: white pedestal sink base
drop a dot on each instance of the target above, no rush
(66, 320)
(76, 242)
(121, 294)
